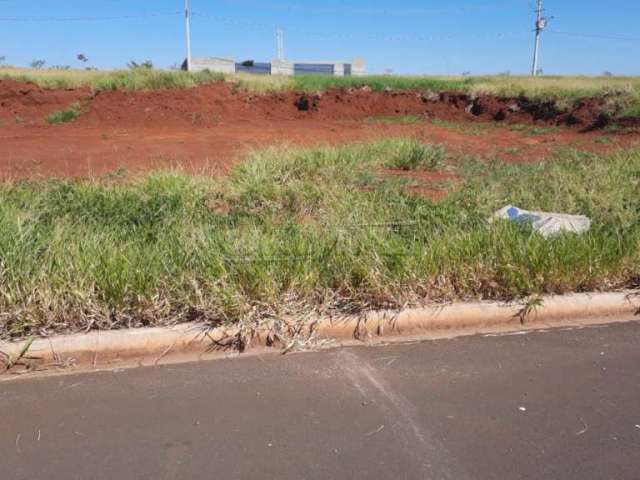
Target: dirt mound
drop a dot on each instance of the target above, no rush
(27, 102)
(222, 102)
(208, 129)
(205, 105)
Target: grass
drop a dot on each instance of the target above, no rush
(558, 87)
(410, 155)
(64, 116)
(304, 230)
(631, 111)
(399, 120)
(133, 79)
(467, 128)
(380, 82)
(532, 129)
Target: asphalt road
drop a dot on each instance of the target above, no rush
(557, 405)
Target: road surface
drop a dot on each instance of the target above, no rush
(555, 405)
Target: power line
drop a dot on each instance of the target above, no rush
(469, 7)
(255, 26)
(596, 36)
(88, 18)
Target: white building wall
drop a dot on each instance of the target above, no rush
(222, 65)
(281, 67)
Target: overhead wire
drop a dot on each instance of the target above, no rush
(595, 36)
(89, 18)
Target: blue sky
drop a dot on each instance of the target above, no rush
(406, 36)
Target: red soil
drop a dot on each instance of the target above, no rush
(207, 129)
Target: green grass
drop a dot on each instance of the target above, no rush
(304, 230)
(631, 111)
(566, 87)
(379, 83)
(532, 130)
(398, 120)
(133, 79)
(468, 128)
(64, 116)
(411, 155)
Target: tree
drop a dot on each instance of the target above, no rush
(248, 63)
(37, 64)
(82, 58)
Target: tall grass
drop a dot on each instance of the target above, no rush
(547, 87)
(133, 79)
(303, 230)
(571, 87)
(381, 82)
(64, 116)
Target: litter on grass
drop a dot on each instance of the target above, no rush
(545, 223)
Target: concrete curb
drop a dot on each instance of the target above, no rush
(163, 345)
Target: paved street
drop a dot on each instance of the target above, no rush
(555, 405)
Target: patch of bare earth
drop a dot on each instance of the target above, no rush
(209, 129)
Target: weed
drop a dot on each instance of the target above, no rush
(379, 83)
(468, 128)
(399, 120)
(63, 116)
(603, 140)
(135, 79)
(11, 362)
(532, 130)
(511, 150)
(411, 155)
(530, 306)
(631, 111)
(304, 231)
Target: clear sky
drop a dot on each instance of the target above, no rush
(406, 36)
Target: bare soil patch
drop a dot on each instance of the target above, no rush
(208, 129)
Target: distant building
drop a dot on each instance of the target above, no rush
(357, 67)
(213, 64)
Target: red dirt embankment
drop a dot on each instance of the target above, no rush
(212, 103)
(22, 102)
(210, 127)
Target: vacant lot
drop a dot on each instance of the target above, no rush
(328, 229)
(147, 120)
(143, 198)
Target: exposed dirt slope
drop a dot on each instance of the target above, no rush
(209, 128)
(223, 101)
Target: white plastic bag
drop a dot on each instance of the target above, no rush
(545, 223)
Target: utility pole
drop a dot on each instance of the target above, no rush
(541, 24)
(280, 43)
(187, 28)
